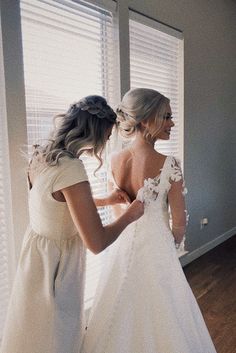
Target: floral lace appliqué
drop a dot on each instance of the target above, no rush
(150, 190)
(176, 174)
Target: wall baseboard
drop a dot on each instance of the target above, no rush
(190, 256)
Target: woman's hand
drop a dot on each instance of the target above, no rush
(94, 235)
(117, 196)
(135, 210)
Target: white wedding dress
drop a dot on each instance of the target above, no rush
(143, 302)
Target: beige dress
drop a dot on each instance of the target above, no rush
(45, 313)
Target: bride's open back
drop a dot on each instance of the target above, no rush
(132, 166)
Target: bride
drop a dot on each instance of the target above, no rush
(143, 302)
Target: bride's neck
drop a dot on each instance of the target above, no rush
(140, 142)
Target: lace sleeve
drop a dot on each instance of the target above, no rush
(176, 174)
(177, 202)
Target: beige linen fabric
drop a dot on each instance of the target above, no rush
(45, 313)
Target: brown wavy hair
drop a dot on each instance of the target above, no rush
(84, 127)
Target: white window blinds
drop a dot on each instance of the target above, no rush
(156, 61)
(68, 50)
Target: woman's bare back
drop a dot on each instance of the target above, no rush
(132, 166)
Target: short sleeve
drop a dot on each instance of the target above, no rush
(69, 172)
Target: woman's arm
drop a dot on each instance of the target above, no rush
(116, 196)
(117, 209)
(178, 211)
(95, 236)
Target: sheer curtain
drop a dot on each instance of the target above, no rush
(68, 52)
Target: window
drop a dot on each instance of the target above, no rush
(68, 53)
(156, 61)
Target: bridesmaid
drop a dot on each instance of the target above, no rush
(46, 307)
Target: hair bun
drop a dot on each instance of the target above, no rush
(121, 116)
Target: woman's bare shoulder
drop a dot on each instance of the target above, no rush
(156, 158)
(120, 157)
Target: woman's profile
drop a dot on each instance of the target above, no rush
(143, 302)
(46, 307)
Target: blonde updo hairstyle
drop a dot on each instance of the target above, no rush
(84, 127)
(142, 105)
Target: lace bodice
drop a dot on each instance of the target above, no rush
(154, 192)
(171, 172)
